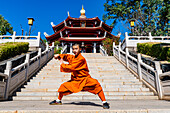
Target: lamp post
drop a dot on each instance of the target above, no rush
(132, 24)
(30, 23)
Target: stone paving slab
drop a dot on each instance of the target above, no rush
(117, 106)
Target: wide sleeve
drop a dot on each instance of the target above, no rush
(66, 57)
(74, 66)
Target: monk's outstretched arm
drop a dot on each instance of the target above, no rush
(76, 65)
(65, 57)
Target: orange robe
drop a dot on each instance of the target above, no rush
(80, 77)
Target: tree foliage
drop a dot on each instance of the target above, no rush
(149, 15)
(5, 27)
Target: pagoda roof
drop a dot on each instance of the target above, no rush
(77, 39)
(79, 31)
(62, 24)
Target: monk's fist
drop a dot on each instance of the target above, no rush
(57, 56)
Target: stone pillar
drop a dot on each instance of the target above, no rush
(139, 60)
(13, 36)
(27, 60)
(71, 50)
(158, 81)
(8, 72)
(94, 47)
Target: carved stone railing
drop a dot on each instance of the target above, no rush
(145, 73)
(165, 83)
(131, 41)
(3, 77)
(35, 42)
(103, 51)
(17, 76)
(64, 49)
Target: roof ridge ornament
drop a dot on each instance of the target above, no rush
(82, 11)
(68, 13)
(46, 34)
(52, 24)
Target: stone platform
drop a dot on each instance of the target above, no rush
(116, 106)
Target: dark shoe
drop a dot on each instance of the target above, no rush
(106, 106)
(54, 102)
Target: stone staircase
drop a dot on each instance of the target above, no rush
(117, 82)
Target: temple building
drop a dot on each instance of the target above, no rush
(89, 32)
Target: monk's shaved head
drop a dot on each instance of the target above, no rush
(77, 44)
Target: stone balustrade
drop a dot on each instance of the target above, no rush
(35, 42)
(165, 83)
(145, 73)
(131, 41)
(64, 49)
(103, 51)
(15, 77)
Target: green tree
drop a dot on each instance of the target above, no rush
(5, 27)
(149, 15)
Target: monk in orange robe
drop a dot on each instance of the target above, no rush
(80, 77)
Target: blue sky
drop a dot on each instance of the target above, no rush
(46, 11)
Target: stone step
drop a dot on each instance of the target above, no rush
(92, 75)
(103, 85)
(52, 93)
(85, 97)
(106, 90)
(96, 77)
(54, 88)
(100, 80)
(113, 83)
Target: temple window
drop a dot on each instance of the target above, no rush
(83, 24)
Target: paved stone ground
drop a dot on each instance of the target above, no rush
(117, 106)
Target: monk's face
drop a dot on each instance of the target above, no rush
(76, 49)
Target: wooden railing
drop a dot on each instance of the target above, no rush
(17, 76)
(145, 73)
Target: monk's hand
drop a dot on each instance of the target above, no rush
(61, 61)
(57, 56)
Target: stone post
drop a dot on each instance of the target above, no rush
(38, 39)
(53, 49)
(127, 54)
(47, 48)
(8, 72)
(119, 51)
(71, 49)
(94, 47)
(114, 49)
(139, 60)
(13, 36)
(27, 60)
(126, 40)
(157, 79)
(150, 37)
(39, 54)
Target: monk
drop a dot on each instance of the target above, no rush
(80, 77)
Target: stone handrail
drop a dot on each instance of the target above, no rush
(165, 82)
(144, 72)
(103, 51)
(131, 41)
(64, 49)
(34, 41)
(17, 76)
(3, 77)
